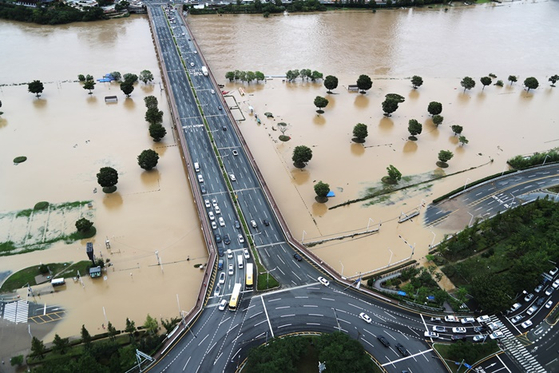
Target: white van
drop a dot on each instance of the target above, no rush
(240, 261)
(200, 178)
(196, 166)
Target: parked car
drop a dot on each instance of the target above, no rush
(214, 224)
(451, 318)
(459, 330)
(226, 239)
(554, 271)
(241, 238)
(229, 254)
(214, 202)
(383, 340)
(402, 349)
(531, 310)
(478, 338)
(323, 281)
(528, 297)
(495, 325)
(207, 203)
(538, 288)
(436, 319)
(549, 304)
(440, 329)
(211, 215)
(467, 320)
(485, 318)
(480, 329)
(363, 316)
(237, 224)
(433, 335)
(515, 307)
(526, 324)
(232, 177)
(297, 257)
(555, 284)
(217, 210)
(246, 254)
(458, 337)
(516, 318)
(496, 335)
(549, 291)
(540, 301)
(202, 189)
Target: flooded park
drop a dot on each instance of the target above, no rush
(67, 135)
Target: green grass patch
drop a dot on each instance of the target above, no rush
(7, 246)
(266, 281)
(26, 213)
(82, 235)
(20, 159)
(554, 189)
(43, 205)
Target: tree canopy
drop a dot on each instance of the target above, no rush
(89, 85)
(512, 79)
(83, 225)
(553, 79)
(126, 88)
(394, 175)
(320, 102)
(36, 87)
(107, 177)
(463, 140)
(416, 81)
(467, 83)
(301, 155)
(291, 75)
(151, 103)
(389, 105)
(154, 115)
(364, 83)
(437, 119)
(148, 159)
(157, 132)
(531, 83)
(321, 189)
(445, 156)
(130, 78)
(485, 81)
(360, 132)
(435, 108)
(414, 128)
(456, 129)
(330, 83)
(146, 76)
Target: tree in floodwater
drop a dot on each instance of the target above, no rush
(444, 156)
(330, 83)
(512, 79)
(394, 175)
(320, 102)
(414, 128)
(107, 177)
(531, 83)
(485, 81)
(416, 81)
(438, 119)
(467, 83)
(301, 155)
(360, 132)
(389, 105)
(321, 189)
(148, 159)
(435, 108)
(456, 129)
(89, 85)
(36, 87)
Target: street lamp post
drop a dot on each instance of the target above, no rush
(545, 159)
(466, 183)
(433, 240)
(342, 269)
(391, 253)
(369, 222)
(471, 219)
(303, 239)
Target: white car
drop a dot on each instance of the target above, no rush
(363, 316)
(538, 288)
(478, 338)
(232, 177)
(451, 318)
(549, 291)
(549, 304)
(495, 325)
(459, 330)
(246, 254)
(431, 335)
(531, 310)
(241, 238)
(516, 318)
(468, 320)
(555, 284)
(526, 324)
(207, 203)
(229, 254)
(554, 271)
(214, 202)
(221, 222)
(222, 278)
(440, 329)
(528, 297)
(211, 215)
(231, 269)
(323, 281)
(222, 305)
(485, 318)
(514, 307)
(496, 335)
(217, 210)
(235, 153)
(200, 178)
(214, 225)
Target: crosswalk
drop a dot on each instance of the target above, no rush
(16, 311)
(517, 351)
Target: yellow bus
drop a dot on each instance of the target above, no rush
(235, 297)
(248, 280)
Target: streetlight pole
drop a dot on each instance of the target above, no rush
(342, 269)
(391, 253)
(471, 219)
(337, 322)
(466, 183)
(545, 159)
(303, 239)
(433, 240)
(369, 222)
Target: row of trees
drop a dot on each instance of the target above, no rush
(55, 14)
(304, 74)
(245, 76)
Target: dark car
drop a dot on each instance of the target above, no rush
(458, 337)
(540, 301)
(266, 222)
(237, 224)
(217, 238)
(226, 239)
(224, 128)
(202, 189)
(297, 257)
(402, 349)
(384, 341)
(220, 251)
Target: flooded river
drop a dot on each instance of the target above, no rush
(68, 135)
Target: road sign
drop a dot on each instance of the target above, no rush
(467, 365)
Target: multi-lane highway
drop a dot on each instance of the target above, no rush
(235, 210)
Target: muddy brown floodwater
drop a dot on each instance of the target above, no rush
(505, 39)
(68, 135)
